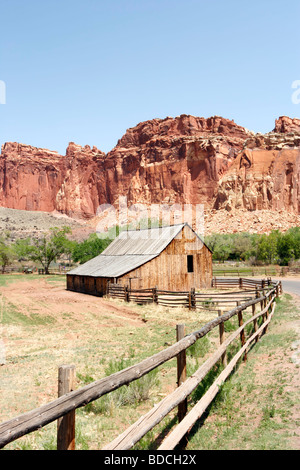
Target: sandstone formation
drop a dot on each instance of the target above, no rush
(285, 124)
(265, 175)
(186, 159)
(171, 160)
(37, 179)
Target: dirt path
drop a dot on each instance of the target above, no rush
(39, 296)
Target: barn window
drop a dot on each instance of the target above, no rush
(190, 263)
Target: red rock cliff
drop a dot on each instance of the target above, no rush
(174, 160)
(42, 180)
(171, 160)
(266, 174)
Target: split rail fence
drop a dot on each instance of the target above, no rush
(245, 289)
(63, 408)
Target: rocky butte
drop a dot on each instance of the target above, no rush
(186, 160)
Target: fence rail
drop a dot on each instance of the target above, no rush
(248, 289)
(257, 271)
(65, 405)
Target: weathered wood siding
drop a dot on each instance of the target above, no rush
(169, 271)
(87, 284)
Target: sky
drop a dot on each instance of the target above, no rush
(85, 71)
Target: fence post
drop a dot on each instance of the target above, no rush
(253, 313)
(222, 337)
(265, 315)
(193, 298)
(267, 312)
(262, 303)
(154, 295)
(126, 293)
(181, 371)
(242, 335)
(66, 424)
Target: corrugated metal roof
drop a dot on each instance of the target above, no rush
(128, 251)
(111, 266)
(143, 242)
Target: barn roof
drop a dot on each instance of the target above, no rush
(128, 251)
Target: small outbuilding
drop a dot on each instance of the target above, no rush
(170, 258)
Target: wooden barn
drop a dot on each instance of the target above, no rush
(171, 258)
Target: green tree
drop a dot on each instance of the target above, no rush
(50, 247)
(267, 247)
(89, 248)
(7, 254)
(23, 248)
(286, 248)
(221, 246)
(294, 234)
(242, 246)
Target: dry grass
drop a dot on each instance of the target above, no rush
(44, 326)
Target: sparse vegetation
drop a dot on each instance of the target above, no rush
(254, 408)
(57, 244)
(275, 248)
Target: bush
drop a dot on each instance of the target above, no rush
(132, 394)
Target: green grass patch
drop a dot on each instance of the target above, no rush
(254, 407)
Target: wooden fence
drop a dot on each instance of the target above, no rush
(244, 271)
(191, 299)
(257, 271)
(63, 408)
(243, 283)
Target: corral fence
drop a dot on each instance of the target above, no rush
(257, 271)
(63, 408)
(247, 271)
(241, 290)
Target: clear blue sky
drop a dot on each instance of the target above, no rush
(87, 70)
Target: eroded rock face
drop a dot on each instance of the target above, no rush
(286, 125)
(171, 160)
(265, 175)
(29, 177)
(78, 195)
(186, 159)
(261, 179)
(42, 180)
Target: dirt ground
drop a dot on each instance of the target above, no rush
(44, 326)
(57, 326)
(55, 300)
